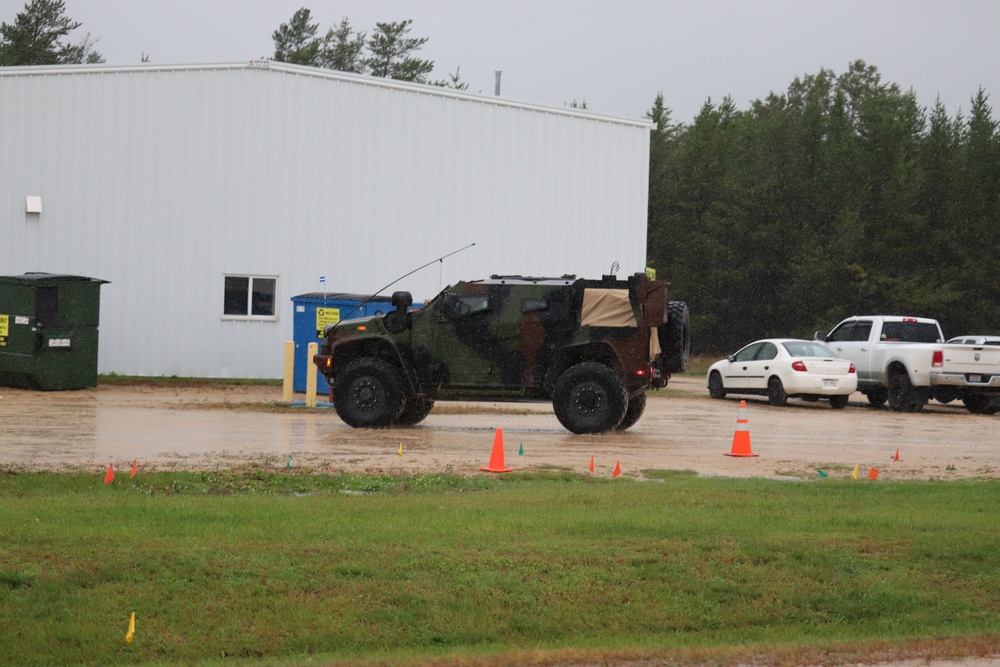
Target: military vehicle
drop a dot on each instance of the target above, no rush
(592, 347)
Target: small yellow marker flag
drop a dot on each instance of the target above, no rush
(400, 453)
(131, 629)
(854, 474)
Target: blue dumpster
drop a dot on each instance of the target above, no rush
(313, 313)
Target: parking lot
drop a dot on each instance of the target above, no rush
(223, 426)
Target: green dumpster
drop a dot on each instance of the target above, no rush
(48, 331)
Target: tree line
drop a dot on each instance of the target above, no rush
(841, 196)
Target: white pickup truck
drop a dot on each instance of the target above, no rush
(904, 360)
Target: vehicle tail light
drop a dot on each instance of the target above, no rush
(852, 369)
(937, 361)
(644, 371)
(799, 366)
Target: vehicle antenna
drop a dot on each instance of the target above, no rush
(367, 299)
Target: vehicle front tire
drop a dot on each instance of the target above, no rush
(715, 387)
(636, 406)
(589, 398)
(838, 402)
(414, 411)
(776, 395)
(367, 394)
(902, 396)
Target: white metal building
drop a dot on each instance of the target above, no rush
(190, 188)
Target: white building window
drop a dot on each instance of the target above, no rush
(250, 297)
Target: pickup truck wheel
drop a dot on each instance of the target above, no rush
(980, 405)
(636, 406)
(838, 402)
(589, 398)
(414, 411)
(776, 395)
(902, 396)
(367, 394)
(877, 397)
(715, 387)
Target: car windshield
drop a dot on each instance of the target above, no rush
(808, 349)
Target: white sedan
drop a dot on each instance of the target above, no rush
(783, 368)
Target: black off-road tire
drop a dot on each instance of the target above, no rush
(776, 395)
(838, 402)
(675, 337)
(414, 411)
(877, 397)
(902, 396)
(367, 394)
(636, 406)
(715, 387)
(980, 405)
(589, 398)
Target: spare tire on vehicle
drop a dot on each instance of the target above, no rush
(675, 337)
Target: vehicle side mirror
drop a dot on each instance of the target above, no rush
(731, 358)
(402, 300)
(820, 336)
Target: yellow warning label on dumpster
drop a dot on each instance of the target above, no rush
(324, 318)
(4, 322)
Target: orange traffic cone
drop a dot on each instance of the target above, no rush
(741, 439)
(496, 456)
(135, 464)
(618, 470)
(109, 476)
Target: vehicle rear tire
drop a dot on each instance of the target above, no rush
(838, 402)
(367, 394)
(877, 397)
(902, 396)
(589, 398)
(414, 411)
(636, 406)
(944, 396)
(776, 395)
(715, 387)
(980, 405)
(675, 337)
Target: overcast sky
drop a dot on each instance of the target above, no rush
(615, 54)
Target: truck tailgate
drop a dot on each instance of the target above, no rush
(972, 360)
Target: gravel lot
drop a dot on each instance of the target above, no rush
(222, 426)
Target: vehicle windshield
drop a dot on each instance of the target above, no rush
(911, 332)
(808, 349)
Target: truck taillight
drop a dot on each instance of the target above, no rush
(937, 361)
(852, 369)
(799, 366)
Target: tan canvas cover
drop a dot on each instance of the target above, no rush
(654, 345)
(606, 308)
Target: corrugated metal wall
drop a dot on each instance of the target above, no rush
(163, 179)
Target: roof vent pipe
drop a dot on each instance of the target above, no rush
(497, 90)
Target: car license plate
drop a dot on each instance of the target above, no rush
(829, 384)
(975, 378)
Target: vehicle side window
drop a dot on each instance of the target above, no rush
(841, 333)
(532, 304)
(469, 304)
(862, 331)
(767, 352)
(748, 353)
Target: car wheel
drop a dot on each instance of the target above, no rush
(415, 411)
(367, 394)
(715, 387)
(589, 398)
(838, 402)
(902, 396)
(776, 395)
(636, 406)
(877, 397)
(979, 405)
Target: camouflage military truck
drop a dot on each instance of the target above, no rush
(592, 347)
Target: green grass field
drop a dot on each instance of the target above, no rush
(286, 567)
